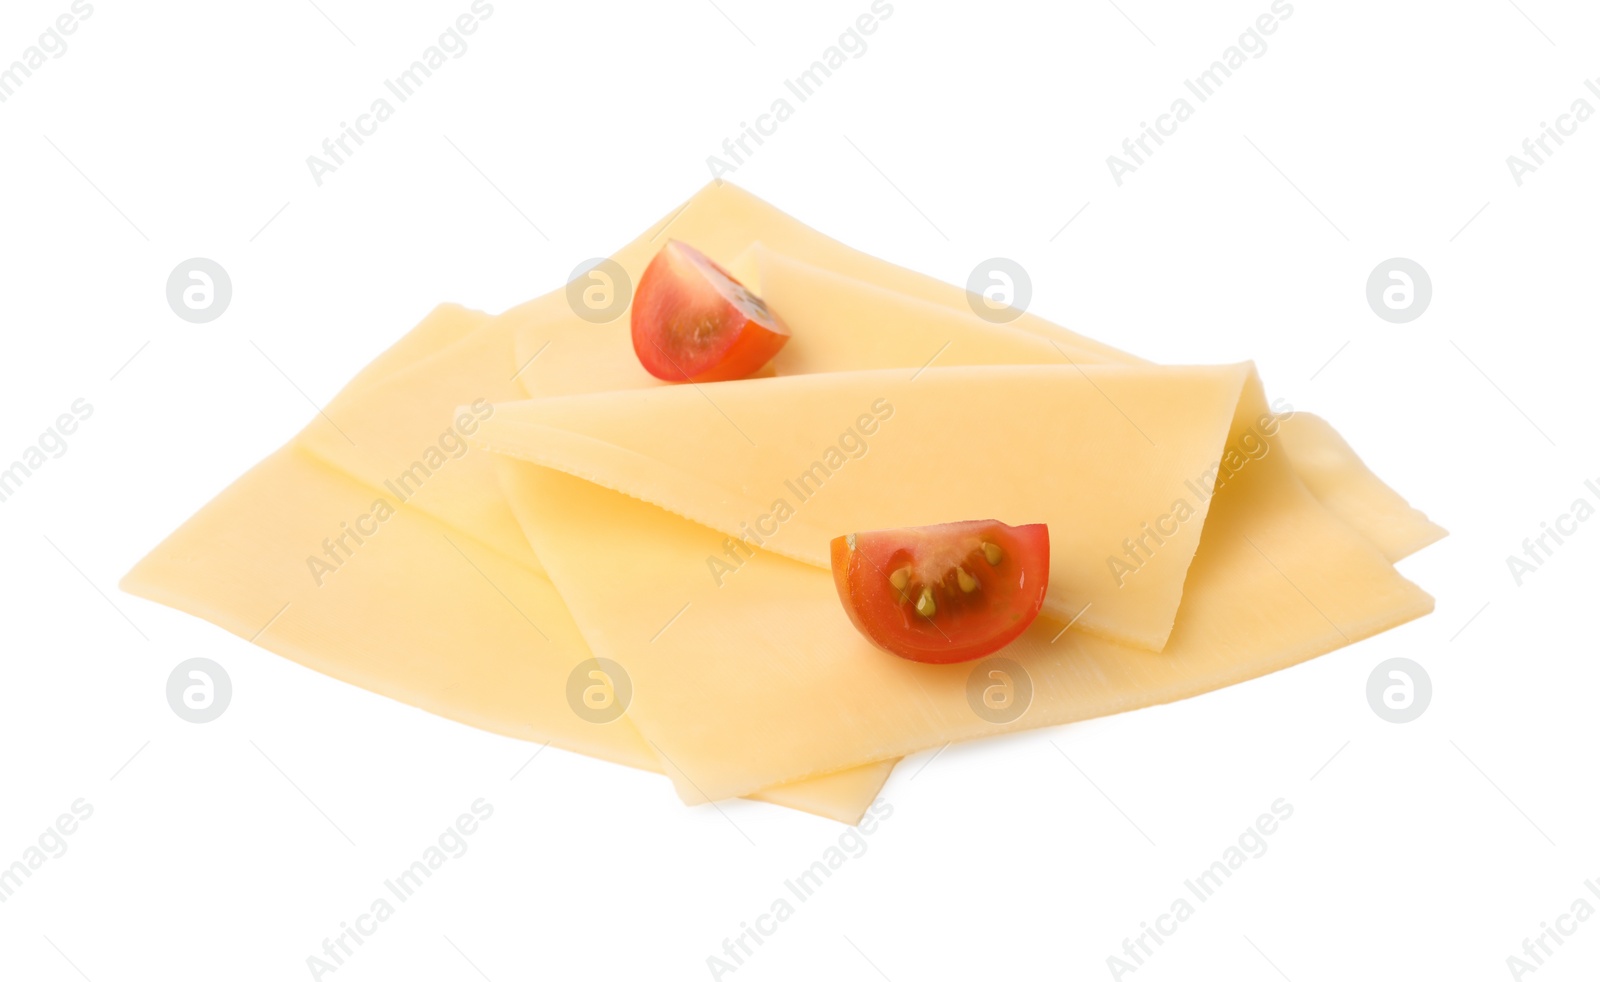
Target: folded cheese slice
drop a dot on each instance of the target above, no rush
(861, 324)
(853, 311)
(1103, 454)
(842, 323)
(868, 304)
(375, 549)
(763, 679)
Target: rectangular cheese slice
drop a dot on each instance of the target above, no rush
(852, 311)
(721, 220)
(764, 679)
(375, 549)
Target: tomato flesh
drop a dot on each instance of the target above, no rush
(943, 593)
(693, 322)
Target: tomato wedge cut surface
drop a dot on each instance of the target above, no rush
(943, 593)
(692, 322)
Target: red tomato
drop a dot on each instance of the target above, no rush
(692, 322)
(943, 593)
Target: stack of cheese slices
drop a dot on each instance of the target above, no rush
(670, 542)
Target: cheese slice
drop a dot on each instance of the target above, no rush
(850, 322)
(1099, 453)
(442, 604)
(722, 221)
(420, 612)
(850, 311)
(452, 563)
(401, 435)
(859, 324)
(1332, 471)
(763, 678)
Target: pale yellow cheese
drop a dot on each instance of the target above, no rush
(764, 679)
(449, 628)
(1333, 472)
(727, 216)
(849, 311)
(443, 606)
(842, 321)
(420, 612)
(855, 323)
(400, 434)
(593, 518)
(1099, 453)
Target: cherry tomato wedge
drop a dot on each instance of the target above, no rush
(943, 593)
(692, 322)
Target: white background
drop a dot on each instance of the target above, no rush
(1367, 130)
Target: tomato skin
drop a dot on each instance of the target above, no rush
(967, 625)
(693, 322)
